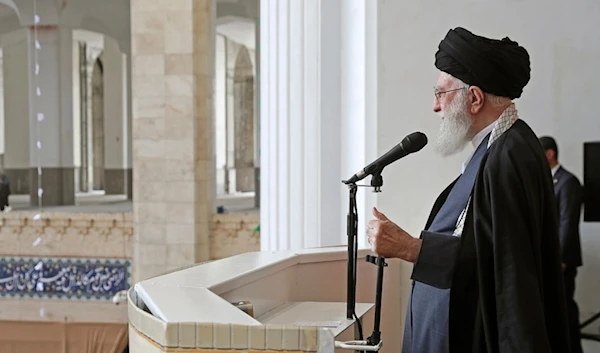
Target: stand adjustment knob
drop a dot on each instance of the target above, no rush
(376, 260)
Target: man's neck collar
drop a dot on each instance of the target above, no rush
(476, 140)
(481, 134)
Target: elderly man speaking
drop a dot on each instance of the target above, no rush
(487, 273)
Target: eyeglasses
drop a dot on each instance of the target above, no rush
(439, 93)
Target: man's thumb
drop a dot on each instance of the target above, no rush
(380, 216)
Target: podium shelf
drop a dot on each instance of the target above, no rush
(319, 314)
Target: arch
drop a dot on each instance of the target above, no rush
(109, 17)
(9, 17)
(243, 98)
(230, 9)
(95, 25)
(11, 4)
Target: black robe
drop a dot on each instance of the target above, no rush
(506, 286)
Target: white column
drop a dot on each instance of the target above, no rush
(65, 73)
(231, 51)
(318, 123)
(15, 67)
(1, 104)
(93, 51)
(333, 194)
(220, 113)
(359, 100)
(53, 101)
(77, 104)
(129, 109)
(257, 100)
(299, 111)
(115, 118)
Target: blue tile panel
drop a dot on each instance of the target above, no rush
(68, 278)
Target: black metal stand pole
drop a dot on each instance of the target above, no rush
(590, 336)
(373, 343)
(352, 230)
(376, 335)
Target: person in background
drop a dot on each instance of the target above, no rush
(4, 192)
(569, 195)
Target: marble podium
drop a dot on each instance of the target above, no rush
(297, 303)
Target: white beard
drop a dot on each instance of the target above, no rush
(453, 135)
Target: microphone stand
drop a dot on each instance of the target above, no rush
(352, 232)
(374, 342)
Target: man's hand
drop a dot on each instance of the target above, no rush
(389, 240)
(564, 267)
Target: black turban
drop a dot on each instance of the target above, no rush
(499, 67)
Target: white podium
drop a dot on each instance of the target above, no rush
(298, 302)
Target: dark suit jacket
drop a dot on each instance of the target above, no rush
(569, 196)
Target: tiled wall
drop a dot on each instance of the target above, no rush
(233, 234)
(109, 235)
(74, 278)
(64, 238)
(67, 235)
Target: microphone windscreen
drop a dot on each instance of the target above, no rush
(414, 142)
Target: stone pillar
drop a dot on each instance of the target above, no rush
(116, 173)
(231, 51)
(220, 99)
(129, 155)
(88, 128)
(257, 115)
(1, 110)
(54, 103)
(16, 110)
(314, 127)
(79, 102)
(174, 189)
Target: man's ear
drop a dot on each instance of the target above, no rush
(476, 98)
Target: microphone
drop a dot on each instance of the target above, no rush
(410, 144)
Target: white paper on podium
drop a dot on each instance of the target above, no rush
(318, 323)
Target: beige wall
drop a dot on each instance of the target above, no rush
(233, 234)
(110, 235)
(89, 235)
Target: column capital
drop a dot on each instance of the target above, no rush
(92, 54)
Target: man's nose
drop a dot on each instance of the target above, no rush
(436, 105)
